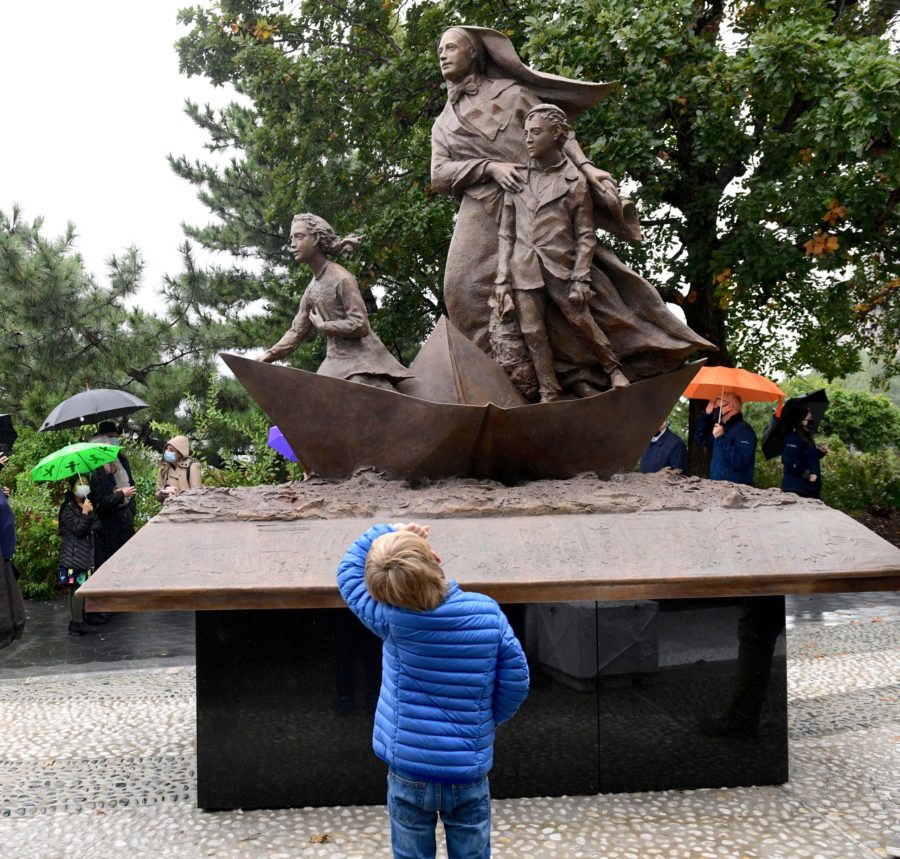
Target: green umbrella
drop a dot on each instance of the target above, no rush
(80, 458)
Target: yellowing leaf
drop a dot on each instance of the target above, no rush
(263, 30)
(836, 212)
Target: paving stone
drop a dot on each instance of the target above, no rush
(98, 759)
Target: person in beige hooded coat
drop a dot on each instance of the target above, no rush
(177, 471)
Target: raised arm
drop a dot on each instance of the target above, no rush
(351, 582)
(294, 336)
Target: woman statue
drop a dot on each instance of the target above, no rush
(333, 304)
(478, 152)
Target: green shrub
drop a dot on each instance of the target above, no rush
(852, 481)
(868, 422)
(251, 462)
(36, 507)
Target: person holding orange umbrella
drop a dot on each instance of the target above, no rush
(722, 426)
(733, 441)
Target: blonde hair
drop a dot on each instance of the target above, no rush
(327, 240)
(401, 570)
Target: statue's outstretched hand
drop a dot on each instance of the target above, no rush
(510, 177)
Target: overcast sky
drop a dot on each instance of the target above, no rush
(94, 103)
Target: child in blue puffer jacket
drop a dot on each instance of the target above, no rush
(452, 670)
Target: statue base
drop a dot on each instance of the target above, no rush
(650, 606)
(620, 694)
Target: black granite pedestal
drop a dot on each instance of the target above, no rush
(630, 696)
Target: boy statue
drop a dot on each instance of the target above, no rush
(452, 670)
(547, 242)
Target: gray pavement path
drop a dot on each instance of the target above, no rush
(127, 640)
(97, 759)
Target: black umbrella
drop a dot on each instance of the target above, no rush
(92, 406)
(7, 435)
(792, 412)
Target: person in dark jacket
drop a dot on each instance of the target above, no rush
(731, 438)
(78, 527)
(802, 460)
(452, 670)
(12, 607)
(666, 450)
(112, 494)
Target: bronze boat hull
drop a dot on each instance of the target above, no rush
(337, 427)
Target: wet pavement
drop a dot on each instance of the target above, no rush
(98, 759)
(155, 639)
(127, 640)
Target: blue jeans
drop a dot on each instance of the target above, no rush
(465, 810)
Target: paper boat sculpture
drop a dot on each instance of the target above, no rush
(337, 427)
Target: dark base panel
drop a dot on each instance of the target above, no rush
(285, 702)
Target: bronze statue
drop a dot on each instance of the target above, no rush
(546, 245)
(479, 154)
(333, 305)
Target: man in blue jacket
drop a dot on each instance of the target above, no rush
(452, 670)
(666, 450)
(731, 438)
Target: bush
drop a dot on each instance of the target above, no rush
(251, 462)
(867, 422)
(852, 481)
(35, 507)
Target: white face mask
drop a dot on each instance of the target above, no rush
(170, 456)
(82, 490)
(112, 439)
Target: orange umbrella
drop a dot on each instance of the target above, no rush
(712, 382)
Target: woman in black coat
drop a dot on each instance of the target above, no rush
(78, 527)
(801, 458)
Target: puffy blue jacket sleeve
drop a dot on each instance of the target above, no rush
(511, 687)
(351, 582)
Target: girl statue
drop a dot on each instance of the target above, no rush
(333, 305)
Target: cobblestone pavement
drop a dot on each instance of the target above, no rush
(97, 759)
